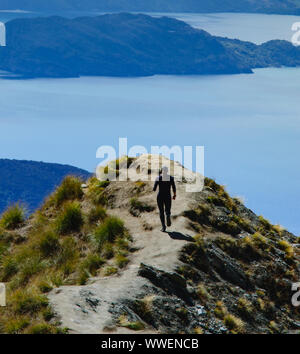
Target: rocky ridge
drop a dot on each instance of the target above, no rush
(218, 269)
(207, 274)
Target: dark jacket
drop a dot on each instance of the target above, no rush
(165, 185)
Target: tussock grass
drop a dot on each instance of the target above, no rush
(90, 266)
(96, 191)
(265, 223)
(244, 307)
(204, 215)
(286, 247)
(266, 306)
(261, 304)
(230, 227)
(222, 198)
(108, 250)
(25, 302)
(243, 223)
(29, 267)
(260, 241)
(182, 313)
(122, 243)
(202, 292)
(109, 230)
(135, 326)
(70, 219)
(267, 229)
(103, 184)
(68, 255)
(144, 308)
(139, 186)
(247, 249)
(209, 182)
(13, 217)
(57, 278)
(121, 260)
(198, 330)
(116, 165)
(137, 207)
(9, 268)
(216, 201)
(201, 214)
(279, 229)
(110, 271)
(96, 214)
(220, 310)
(233, 323)
(69, 190)
(45, 286)
(48, 314)
(16, 325)
(48, 244)
(273, 327)
(43, 328)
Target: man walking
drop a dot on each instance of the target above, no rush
(164, 200)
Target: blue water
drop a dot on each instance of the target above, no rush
(249, 125)
(257, 28)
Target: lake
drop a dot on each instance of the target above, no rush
(257, 28)
(249, 125)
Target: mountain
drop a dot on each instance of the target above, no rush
(30, 182)
(266, 6)
(94, 260)
(130, 45)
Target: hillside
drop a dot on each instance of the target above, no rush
(130, 45)
(94, 260)
(267, 6)
(29, 182)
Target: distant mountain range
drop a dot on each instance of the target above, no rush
(30, 182)
(266, 6)
(130, 45)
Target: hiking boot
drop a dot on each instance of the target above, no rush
(163, 229)
(169, 223)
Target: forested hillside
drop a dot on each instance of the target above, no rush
(267, 6)
(30, 182)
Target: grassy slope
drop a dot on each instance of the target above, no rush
(68, 240)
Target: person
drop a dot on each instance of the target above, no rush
(165, 182)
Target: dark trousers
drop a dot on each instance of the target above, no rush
(164, 203)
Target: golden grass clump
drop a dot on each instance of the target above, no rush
(13, 217)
